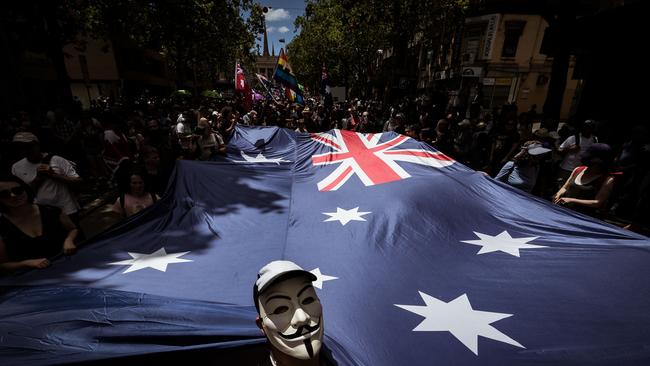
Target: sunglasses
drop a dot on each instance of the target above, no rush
(16, 191)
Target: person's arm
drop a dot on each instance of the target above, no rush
(560, 193)
(505, 171)
(67, 175)
(568, 145)
(513, 149)
(492, 149)
(600, 199)
(221, 149)
(231, 127)
(69, 246)
(7, 266)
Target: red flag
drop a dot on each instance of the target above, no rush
(240, 82)
(248, 98)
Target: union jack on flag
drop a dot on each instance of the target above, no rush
(374, 162)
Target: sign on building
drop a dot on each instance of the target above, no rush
(491, 26)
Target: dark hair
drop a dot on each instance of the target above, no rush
(124, 182)
(598, 154)
(414, 128)
(13, 178)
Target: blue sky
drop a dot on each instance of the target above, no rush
(279, 21)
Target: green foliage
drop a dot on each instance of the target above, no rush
(347, 35)
(189, 32)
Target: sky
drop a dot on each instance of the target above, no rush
(279, 22)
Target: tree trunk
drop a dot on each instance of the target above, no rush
(55, 52)
(561, 55)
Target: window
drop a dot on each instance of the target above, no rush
(474, 34)
(514, 29)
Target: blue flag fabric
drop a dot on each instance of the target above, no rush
(419, 260)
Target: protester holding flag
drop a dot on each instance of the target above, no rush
(289, 314)
(135, 198)
(30, 233)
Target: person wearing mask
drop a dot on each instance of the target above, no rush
(30, 234)
(290, 316)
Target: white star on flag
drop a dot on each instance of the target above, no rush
(320, 278)
(156, 260)
(458, 318)
(502, 242)
(345, 216)
(260, 159)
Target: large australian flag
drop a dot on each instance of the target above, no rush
(419, 261)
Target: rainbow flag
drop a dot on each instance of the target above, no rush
(284, 75)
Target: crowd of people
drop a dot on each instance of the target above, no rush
(130, 147)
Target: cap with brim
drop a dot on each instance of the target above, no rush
(537, 149)
(25, 137)
(276, 270)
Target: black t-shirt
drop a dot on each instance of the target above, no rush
(21, 246)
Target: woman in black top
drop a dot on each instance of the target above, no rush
(30, 233)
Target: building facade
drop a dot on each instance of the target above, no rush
(501, 63)
(266, 62)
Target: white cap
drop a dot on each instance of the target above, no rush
(537, 149)
(25, 137)
(272, 271)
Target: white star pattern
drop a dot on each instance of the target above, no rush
(320, 278)
(261, 159)
(502, 242)
(156, 260)
(345, 216)
(458, 318)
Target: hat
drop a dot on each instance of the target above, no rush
(25, 137)
(589, 122)
(537, 149)
(481, 125)
(274, 271)
(306, 110)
